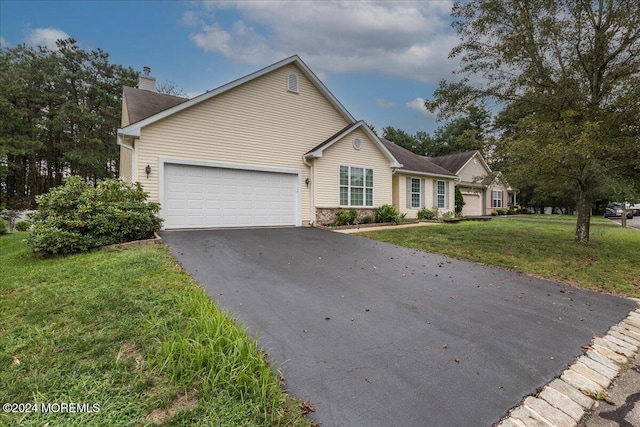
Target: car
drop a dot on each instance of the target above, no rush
(615, 210)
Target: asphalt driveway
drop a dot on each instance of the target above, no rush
(379, 335)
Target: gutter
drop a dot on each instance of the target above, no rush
(312, 200)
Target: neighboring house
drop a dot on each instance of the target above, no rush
(483, 190)
(272, 148)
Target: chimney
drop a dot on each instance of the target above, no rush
(145, 81)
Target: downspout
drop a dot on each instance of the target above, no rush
(312, 201)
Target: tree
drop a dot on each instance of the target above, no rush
(168, 87)
(60, 110)
(403, 139)
(574, 66)
(467, 132)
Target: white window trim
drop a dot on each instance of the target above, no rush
(445, 204)
(364, 187)
(493, 199)
(419, 193)
(289, 86)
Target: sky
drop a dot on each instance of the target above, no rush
(380, 59)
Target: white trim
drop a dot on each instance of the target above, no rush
(364, 187)
(409, 172)
(373, 137)
(163, 161)
(134, 129)
(420, 201)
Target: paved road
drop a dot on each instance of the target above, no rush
(633, 223)
(378, 335)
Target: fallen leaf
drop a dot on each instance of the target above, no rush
(307, 407)
(445, 346)
(15, 360)
(281, 377)
(456, 360)
(305, 331)
(366, 309)
(367, 380)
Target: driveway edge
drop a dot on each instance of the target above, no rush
(567, 399)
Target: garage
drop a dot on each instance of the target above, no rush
(472, 204)
(206, 197)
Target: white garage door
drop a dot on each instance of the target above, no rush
(472, 205)
(202, 197)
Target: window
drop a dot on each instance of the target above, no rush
(441, 194)
(496, 199)
(415, 193)
(292, 83)
(356, 186)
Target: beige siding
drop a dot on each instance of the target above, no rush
(473, 170)
(489, 197)
(428, 200)
(258, 123)
(125, 164)
(342, 153)
(396, 191)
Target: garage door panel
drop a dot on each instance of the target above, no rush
(198, 196)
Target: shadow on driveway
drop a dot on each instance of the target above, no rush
(379, 335)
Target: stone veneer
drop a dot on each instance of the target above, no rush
(325, 216)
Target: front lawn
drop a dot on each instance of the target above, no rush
(610, 262)
(129, 334)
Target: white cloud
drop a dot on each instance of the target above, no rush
(45, 37)
(4, 43)
(418, 105)
(383, 103)
(401, 39)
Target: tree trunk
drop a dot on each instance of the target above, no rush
(623, 219)
(584, 218)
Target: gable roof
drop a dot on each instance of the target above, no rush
(143, 103)
(317, 151)
(412, 162)
(134, 128)
(455, 162)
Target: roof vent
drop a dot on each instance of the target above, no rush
(145, 81)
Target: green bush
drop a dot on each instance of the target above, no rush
(3, 226)
(494, 213)
(425, 213)
(346, 217)
(367, 219)
(459, 202)
(387, 213)
(77, 217)
(23, 225)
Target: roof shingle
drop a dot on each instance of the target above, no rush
(414, 162)
(453, 162)
(143, 103)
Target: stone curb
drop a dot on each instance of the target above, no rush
(565, 401)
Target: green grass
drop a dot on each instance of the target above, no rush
(557, 217)
(130, 331)
(610, 262)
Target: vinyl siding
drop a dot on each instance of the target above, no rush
(342, 153)
(125, 164)
(428, 201)
(258, 123)
(489, 196)
(473, 169)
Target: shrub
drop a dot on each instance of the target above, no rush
(425, 213)
(494, 213)
(346, 217)
(23, 225)
(387, 213)
(459, 202)
(3, 226)
(367, 219)
(448, 215)
(77, 217)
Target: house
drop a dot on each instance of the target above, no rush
(483, 190)
(272, 148)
